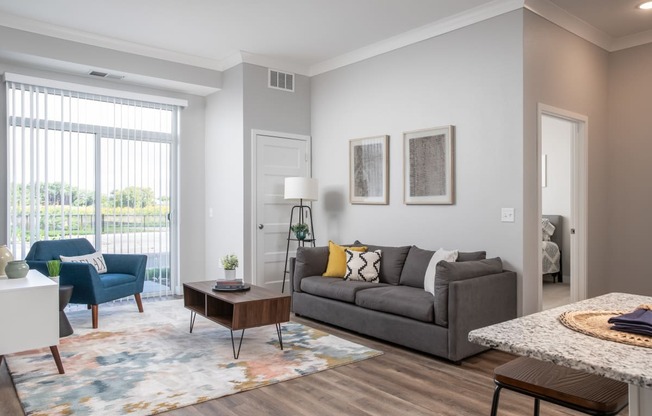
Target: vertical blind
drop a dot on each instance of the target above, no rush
(92, 166)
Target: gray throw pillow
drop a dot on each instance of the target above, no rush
(391, 262)
(415, 267)
(470, 256)
(452, 272)
(310, 261)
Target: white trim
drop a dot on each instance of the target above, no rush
(254, 192)
(88, 38)
(573, 24)
(579, 199)
(437, 28)
(49, 83)
(630, 41)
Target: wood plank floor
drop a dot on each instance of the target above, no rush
(399, 382)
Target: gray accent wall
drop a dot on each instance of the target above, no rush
(471, 78)
(628, 224)
(567, 72)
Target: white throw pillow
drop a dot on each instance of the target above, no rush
(362, 266)
(429, 278)
(95, 259)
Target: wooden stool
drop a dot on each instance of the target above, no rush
(573, 389)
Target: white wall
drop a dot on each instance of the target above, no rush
(628, 227)
(191, 150)
(556, 140)
(470, 78)
(224, 173)
(567, 72)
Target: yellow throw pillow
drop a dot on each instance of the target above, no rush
(337, 259)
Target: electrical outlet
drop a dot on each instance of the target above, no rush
(507, 215)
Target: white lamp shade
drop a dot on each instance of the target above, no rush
(301, 188)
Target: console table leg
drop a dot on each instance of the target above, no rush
(280, 335)
(236, 354)
(57, 358)
(193, 315)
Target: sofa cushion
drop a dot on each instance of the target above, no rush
(451, 272)
(116, 279)
(310, 261)
(405, 301)
(363, 266)
(440, 255)
(334, 287)
(94, 259)
(337, 259)
(470, 256)
(415, 267)
(391, 262)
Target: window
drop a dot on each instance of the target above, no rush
(92, 166)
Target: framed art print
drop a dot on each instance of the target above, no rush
(428, 166)
(369, 170)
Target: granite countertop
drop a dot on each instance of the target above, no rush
(542, 336)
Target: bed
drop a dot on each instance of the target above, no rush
(551, 246)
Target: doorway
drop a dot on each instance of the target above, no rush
(562, 206)
(276, 156)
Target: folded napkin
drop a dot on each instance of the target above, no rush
(637, 322)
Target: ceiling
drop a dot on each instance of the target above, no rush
(304, 33)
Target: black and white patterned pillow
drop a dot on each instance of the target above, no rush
(362, 266)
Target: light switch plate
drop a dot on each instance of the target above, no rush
(507, 215)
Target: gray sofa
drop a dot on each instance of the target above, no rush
(471, 293)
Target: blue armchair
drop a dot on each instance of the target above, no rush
(125, 274)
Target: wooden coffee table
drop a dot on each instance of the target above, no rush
(237, 310)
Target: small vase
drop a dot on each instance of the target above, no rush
(16, 269)
(229, 274)
(301, 235)
(55, 279)
(5, 257)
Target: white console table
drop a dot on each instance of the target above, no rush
(29, 315)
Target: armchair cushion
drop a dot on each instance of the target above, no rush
(95, 259)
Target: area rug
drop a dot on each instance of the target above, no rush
(142, 364)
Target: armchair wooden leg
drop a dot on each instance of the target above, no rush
(88, 306)
(94, 312)
(139, 302)
(57, 358)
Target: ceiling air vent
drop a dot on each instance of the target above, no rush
(105, 75)
(281, 80)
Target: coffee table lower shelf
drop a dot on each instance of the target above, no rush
(237, 310)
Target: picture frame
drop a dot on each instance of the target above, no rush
(369, 170)
(428, 166)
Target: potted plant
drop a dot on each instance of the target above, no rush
(300, 230)
(54, 268)
(229, 263)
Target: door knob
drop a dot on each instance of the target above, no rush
(261, 226)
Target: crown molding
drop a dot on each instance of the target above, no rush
(79, 36)
(630, 41)
(573, 24)
(437, 28)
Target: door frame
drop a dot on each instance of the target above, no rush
(253, 251)
(579, 199)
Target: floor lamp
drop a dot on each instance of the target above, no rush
(303, 189)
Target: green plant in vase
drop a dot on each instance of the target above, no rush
(229, 263)
(54, 269)
(300, 230)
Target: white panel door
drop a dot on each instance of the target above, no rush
(277, 157)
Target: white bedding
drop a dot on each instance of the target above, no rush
(551, 257)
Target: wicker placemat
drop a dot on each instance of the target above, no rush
(594, 323)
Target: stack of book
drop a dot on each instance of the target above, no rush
(236, 284)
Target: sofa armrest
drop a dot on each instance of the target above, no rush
(476, 303)
(84, 278)
(310, 261)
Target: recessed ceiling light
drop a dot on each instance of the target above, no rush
(646, 6)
